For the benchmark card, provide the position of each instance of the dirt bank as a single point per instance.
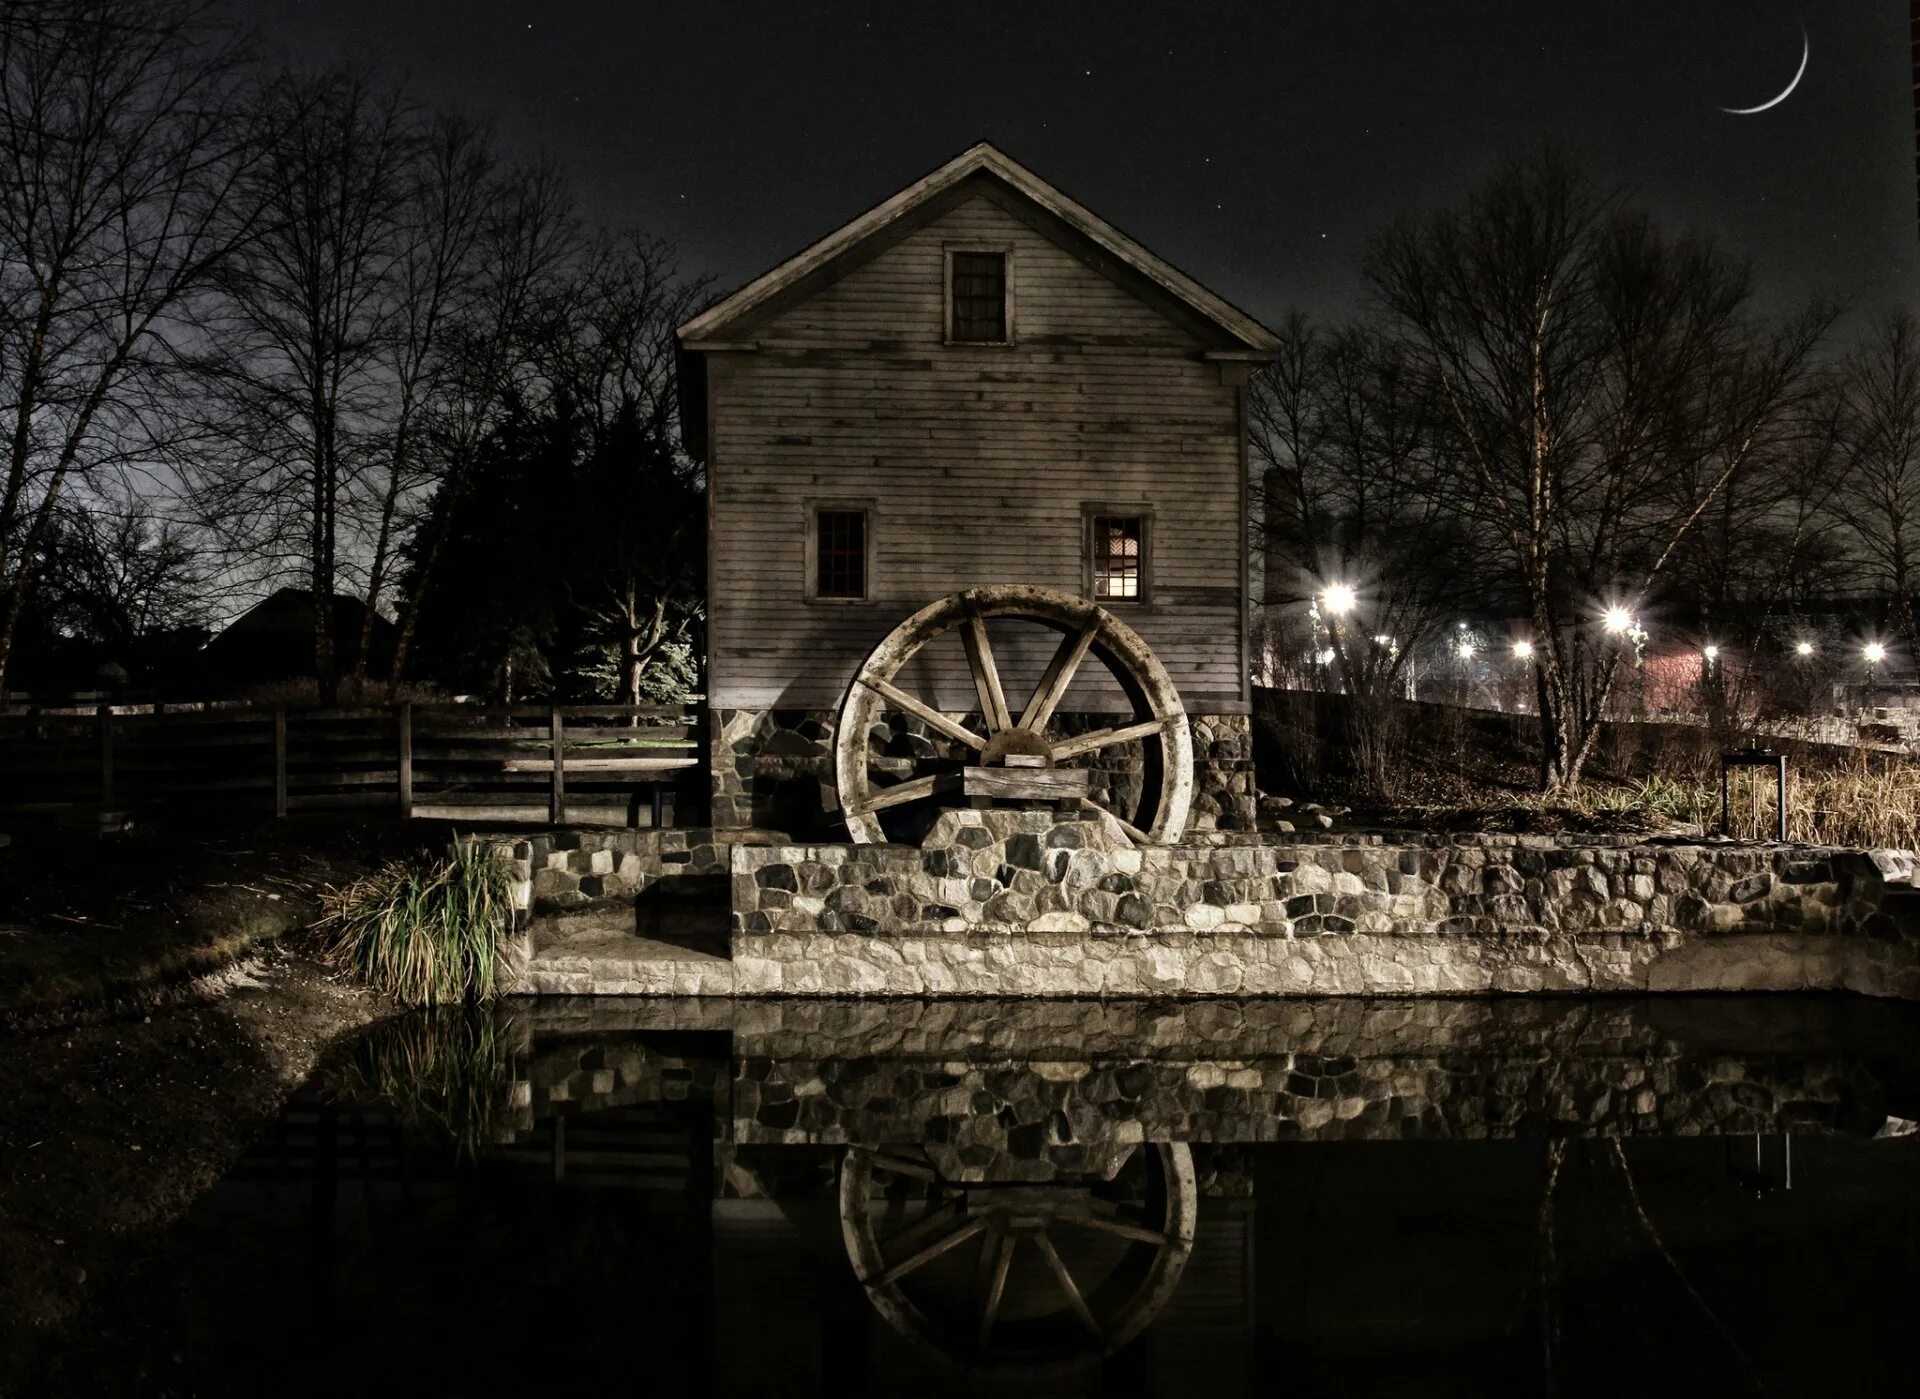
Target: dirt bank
(111, 1126)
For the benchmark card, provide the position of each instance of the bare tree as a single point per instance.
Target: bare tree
(126, 155)
(526, 243)
(1878, 426)
(300, 355)
(1368, 545)
(116, 572)
(438, 238)
(1603, 384)
(609, 356)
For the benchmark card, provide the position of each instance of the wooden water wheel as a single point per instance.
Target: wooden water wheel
(1017, 753)
(1019, 1276)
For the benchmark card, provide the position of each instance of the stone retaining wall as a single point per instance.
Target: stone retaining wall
(559, 870)
(773, 768)
(1035, 903)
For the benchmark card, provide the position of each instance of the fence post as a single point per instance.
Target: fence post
(405, 718)
(1780, 794)
(279, 762)
(557, 802)
(105, 719)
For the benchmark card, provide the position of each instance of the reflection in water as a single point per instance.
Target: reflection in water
(1064, 1197)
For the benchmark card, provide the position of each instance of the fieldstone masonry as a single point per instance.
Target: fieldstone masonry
(559, 870)
(774, 768)
(1004, 902)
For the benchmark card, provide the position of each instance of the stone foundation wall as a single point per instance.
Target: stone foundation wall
(1034, 903)
(773, 768)
(559, 870)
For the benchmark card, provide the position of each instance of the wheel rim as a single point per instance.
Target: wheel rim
(1019, 1277)
(1029, 732)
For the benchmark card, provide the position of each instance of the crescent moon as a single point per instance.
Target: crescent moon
(1806, 51)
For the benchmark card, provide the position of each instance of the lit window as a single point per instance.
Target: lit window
(977, 298)
(1119, 553)
(840, 554)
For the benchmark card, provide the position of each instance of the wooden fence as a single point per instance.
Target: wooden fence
(521, 762)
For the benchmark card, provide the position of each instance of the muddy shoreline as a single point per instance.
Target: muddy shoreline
(112, 1125)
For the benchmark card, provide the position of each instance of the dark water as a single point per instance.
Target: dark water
(1708, 1197)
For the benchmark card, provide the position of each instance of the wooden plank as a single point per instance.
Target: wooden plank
(602, 764)
(1026, 784)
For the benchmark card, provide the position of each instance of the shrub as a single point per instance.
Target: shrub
(427, 932)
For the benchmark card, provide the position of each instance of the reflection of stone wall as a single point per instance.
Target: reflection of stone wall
(773, 769)
(1027, 1120)
(1023, 903)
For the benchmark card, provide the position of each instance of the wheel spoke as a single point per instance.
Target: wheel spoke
(990, 1309)
(936, 1217)
(1139, 836)
(1059, 674)
(986, 675)
(1065, 1279)
(1106, 738)
(924, 712)
(930, 1252)
(1137, 1232)
(898, 794)
(900, 1166)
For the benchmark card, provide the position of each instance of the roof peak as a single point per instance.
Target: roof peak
(981, 155)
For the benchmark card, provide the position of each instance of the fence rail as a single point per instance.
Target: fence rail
(513, 762)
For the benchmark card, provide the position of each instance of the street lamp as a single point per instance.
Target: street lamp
(1523, 650)
(1804, 649)
(1339, 599)
(1466, 649)
(1711, 652)
(1618, 620)
(1874, 652)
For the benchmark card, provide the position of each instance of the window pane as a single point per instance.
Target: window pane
(840, 553)
(979, 294)
(1117, 541)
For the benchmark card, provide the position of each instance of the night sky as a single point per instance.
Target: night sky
(1256, 145)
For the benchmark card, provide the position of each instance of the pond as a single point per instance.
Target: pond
(1312, 1197)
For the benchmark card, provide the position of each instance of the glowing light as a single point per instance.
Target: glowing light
(1805, 648)
(1326, 656)
(1874, 652)
(1339, 599)
(1712, 653)
(1466, 649)
(1523, 650)
(1383, 641)
(1618, 620)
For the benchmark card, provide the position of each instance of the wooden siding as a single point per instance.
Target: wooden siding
(978, 461)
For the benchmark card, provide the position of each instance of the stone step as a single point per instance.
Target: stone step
(597, 952)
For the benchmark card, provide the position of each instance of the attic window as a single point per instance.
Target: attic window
(977, 297)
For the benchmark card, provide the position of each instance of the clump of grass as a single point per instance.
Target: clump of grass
(427, 932)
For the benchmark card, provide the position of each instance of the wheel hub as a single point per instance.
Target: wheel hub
(1017, 747)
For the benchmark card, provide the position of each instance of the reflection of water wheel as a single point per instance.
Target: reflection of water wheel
(1018, 1275)
(1020, 754)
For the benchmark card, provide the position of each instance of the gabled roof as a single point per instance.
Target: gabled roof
(982, 159)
